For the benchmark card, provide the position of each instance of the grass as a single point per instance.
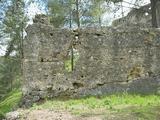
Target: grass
(141, 106)
(135, 106)
(10, 102)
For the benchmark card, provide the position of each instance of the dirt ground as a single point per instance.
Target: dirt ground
(63, 115)
(57, 115)
(123, 113)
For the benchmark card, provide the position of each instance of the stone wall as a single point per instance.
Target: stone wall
(139, 16)
(108, 61)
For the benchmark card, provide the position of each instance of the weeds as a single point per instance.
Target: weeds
(112, 103)
(10, 102)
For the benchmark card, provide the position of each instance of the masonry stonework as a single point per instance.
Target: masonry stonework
(109, 61)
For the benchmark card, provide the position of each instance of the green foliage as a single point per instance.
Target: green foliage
(97, 9)
(58, 10)
(10, 102)
(68, 62)
(68, 66)
(71, 12)
(9, 74)
(14, 27)
(13, 24)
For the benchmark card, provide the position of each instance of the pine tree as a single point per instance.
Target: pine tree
(80, 13)
(13, 24)
(57, 12)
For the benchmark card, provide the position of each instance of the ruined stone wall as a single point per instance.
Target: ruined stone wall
(109, 61)
(140, 17)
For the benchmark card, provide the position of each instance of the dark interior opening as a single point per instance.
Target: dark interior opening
(82, 76)
(51, 34)
(77, 85)
(98, 34)
(42, 60)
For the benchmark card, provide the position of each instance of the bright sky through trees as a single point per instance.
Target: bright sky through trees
(107, 17)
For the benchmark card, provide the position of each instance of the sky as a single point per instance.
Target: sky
(34, 9)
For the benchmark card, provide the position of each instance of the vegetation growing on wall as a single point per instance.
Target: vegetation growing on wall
(135, 72)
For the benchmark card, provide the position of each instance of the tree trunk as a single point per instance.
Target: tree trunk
(153, 12)
(72, 53)
(158, 13)
(99, 16)
(122, 10)
(70, 16)
(77, 13)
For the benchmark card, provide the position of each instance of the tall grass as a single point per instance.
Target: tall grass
(10, 102)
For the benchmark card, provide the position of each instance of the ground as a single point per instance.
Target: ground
(95, 114)
(112, 107)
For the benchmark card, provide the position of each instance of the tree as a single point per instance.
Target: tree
(13, 23)
(97, 9)
(155, 12)
(79, 13)
(57, 12)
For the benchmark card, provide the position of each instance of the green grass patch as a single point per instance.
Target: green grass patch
(114, 103)
(9, 102)
(68, 66)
